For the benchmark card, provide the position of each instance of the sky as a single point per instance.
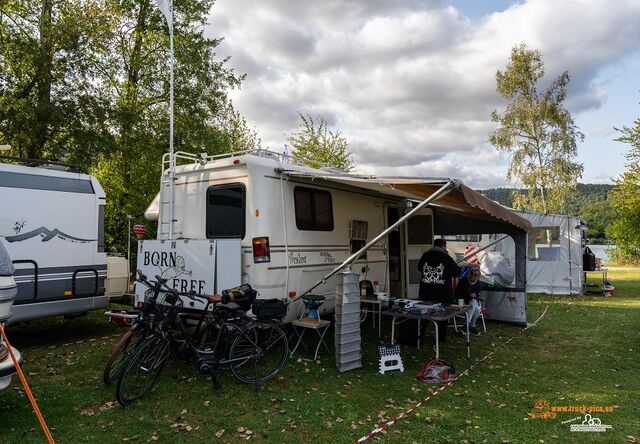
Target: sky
(411, 83)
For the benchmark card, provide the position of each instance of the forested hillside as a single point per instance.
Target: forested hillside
(590, 203)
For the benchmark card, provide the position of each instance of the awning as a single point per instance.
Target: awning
(460, 199)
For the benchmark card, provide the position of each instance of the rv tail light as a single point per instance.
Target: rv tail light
(261, 251)
(292, 294)
(236, 161)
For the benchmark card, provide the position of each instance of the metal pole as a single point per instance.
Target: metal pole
(443, 191)
(172, 160)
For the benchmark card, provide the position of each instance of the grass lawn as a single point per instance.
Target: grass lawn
(584, 351)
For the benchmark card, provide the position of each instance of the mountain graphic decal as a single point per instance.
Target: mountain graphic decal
(46, 234)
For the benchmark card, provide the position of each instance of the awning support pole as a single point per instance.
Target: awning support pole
(443, 191)
(474, 252)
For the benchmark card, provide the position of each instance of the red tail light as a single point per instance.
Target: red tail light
(261, 250)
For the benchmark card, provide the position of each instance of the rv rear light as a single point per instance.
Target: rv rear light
(68, 293)
(292, 294)
(236, 161)
(261, 250)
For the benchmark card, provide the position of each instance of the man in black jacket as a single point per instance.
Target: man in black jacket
(438, 268)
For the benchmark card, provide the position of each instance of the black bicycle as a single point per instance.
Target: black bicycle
(254, 350)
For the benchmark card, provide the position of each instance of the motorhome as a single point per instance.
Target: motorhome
(52, 225)
(296, 224)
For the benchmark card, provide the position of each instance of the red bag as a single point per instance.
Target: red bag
(436, 371)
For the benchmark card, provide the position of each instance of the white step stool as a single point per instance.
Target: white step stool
(390, 358)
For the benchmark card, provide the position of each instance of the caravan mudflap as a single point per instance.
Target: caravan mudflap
(506, 306)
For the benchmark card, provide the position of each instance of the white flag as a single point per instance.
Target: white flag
(166, 7)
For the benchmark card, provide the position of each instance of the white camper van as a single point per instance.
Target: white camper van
(296, 224)
(52, 225)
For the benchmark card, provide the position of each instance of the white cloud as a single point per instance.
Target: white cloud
(410, 83)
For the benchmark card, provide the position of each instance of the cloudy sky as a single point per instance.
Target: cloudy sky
(411, 83)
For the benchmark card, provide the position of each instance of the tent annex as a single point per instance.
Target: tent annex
(555, 248)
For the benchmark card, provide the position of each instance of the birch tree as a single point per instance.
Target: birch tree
(537, 132)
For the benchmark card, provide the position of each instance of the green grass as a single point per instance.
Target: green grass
(584, 351)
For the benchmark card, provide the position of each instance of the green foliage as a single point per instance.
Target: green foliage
(316, 146)
(625, 196)
(88, 82)
(599, 216)
(537, 132)
(590, 202)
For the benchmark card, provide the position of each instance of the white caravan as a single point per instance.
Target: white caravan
(297, 224)
(52, 225)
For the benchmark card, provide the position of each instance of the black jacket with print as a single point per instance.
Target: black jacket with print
(437, 268)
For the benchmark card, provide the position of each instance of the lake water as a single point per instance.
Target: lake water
(601, 251)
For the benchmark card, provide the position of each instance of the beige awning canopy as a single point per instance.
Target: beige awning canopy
(461, 199)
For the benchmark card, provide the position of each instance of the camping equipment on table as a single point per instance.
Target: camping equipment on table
(347, 327)
(313, 302)
(436, 371)
(390, 358)
(366, 289)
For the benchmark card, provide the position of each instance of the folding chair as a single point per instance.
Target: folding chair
(481, 316)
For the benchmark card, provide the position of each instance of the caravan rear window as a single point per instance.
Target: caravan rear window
(314, 209)
(226, 211)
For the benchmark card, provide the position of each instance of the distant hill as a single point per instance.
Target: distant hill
(590, 203)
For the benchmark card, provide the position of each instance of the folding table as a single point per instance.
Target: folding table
(445, 315)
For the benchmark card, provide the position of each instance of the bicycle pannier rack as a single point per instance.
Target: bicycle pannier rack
(266, 309)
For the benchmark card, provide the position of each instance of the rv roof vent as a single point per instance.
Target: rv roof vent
(358, 229)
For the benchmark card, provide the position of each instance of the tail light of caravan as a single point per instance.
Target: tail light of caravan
(261, 250)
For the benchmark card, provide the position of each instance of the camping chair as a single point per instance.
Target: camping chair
(464, 318)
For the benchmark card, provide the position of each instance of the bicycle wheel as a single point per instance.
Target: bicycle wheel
(123, 349)
(258, 352)
(143, 369)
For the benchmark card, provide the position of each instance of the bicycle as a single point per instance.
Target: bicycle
(254, 350)
(143, 323)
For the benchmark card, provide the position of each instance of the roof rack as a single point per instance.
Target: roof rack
(71, 167)
(204, 158)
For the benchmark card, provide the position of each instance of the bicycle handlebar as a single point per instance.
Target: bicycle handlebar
(162, 283)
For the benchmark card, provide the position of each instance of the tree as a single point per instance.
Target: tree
(87, 81)
(537, 132)
(45, 80)
(133, 66)
(625, 197)
(316, 146)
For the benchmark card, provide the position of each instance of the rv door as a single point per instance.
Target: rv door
(418, 238)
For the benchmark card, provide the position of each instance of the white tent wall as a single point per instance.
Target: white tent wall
(555, 268)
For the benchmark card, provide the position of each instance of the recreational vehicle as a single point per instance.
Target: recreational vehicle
(52, 225)
(297, 225)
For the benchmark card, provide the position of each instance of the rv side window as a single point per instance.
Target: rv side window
(226, 211)
(314, 209)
